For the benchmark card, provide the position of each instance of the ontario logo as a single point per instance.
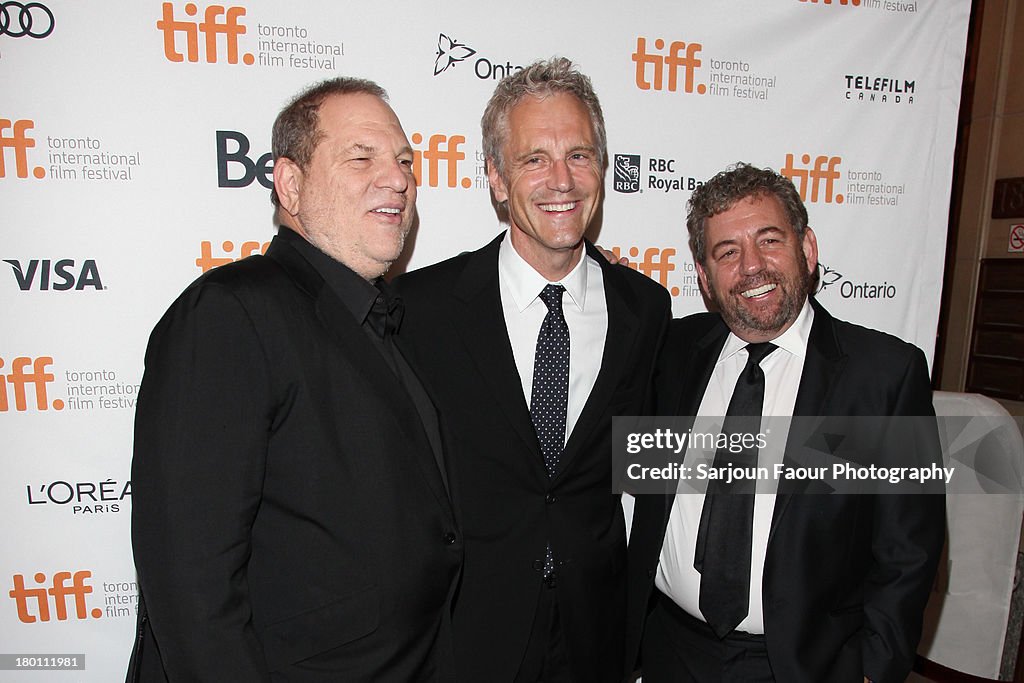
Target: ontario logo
(451, 53)
(849, 289)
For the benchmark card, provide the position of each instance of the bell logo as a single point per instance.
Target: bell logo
(261, 169)
(207, 261)
(439, 148)
(18, 378)
(55, 275)
(19, 141)
(824, 172)
(217, 20)
(681, 56)
(33, 604)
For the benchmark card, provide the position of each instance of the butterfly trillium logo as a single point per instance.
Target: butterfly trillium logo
(827, 276)
(449, 53)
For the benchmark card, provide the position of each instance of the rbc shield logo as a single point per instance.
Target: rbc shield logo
(626, 173)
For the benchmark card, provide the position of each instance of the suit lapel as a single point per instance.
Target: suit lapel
(480, 320)
(822, 368)
(365, 359)
(620, 338)
(689, 387)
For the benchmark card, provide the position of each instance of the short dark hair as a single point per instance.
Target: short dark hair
(540, 79)
(296, 130)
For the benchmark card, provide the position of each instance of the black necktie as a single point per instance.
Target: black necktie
(722, 553)
(549, 397)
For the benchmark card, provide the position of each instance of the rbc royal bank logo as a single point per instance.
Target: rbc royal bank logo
(626, 173)
(32, 20)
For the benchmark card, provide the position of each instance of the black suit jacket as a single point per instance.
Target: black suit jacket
(509, 507)
(846, 577)
(289, 522)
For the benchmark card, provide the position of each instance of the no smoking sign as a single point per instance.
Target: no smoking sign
(1016, 238)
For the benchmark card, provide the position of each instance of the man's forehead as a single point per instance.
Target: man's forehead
(759, 210)
(360, 120)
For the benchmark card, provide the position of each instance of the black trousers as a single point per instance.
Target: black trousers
(546, 659)
(678, 648)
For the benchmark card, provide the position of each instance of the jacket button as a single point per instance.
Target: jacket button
(550, 498)
(449, 538)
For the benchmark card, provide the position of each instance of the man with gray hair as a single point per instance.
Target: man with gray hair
(529, 346)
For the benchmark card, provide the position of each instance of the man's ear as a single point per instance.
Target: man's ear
(497, 184)
(810, 247)
(288, 179)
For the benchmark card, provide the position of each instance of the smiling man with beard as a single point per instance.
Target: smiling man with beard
(733, 586)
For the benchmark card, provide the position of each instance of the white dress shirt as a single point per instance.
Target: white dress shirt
(676, 576)
(586, 315)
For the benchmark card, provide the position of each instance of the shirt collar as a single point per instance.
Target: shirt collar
(525, 284)
(354, 291)
(793, 340)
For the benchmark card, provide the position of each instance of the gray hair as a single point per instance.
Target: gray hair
(540, 79)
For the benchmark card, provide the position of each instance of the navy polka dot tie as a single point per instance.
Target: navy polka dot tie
(550, 394)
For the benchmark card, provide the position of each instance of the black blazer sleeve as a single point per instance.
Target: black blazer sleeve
(199, 460)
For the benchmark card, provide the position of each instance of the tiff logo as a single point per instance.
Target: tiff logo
(855, 3)
(59, 590)
(656, 264)
(681, 57)
(824, 172)
(19, 378)
(210, 27)
(440, 148)
(207, 261)
(20, 142)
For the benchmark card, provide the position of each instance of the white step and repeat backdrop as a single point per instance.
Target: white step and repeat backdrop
(134, 140)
